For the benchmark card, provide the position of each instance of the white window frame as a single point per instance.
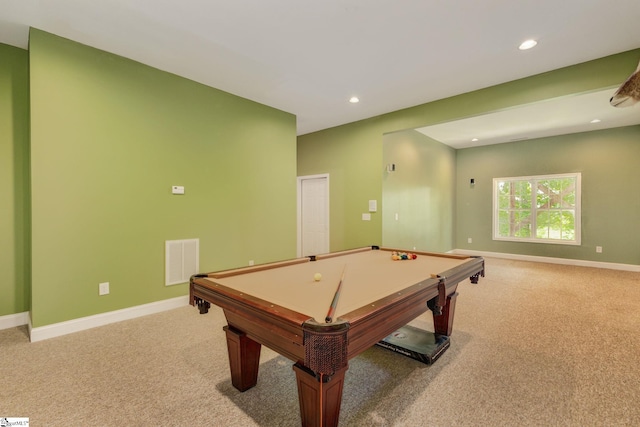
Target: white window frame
(534, 239)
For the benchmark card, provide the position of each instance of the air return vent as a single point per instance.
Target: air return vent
(181, 260)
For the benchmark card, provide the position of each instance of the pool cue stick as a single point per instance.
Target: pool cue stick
(334, 303)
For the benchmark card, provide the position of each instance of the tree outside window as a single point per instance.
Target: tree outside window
(537, 209)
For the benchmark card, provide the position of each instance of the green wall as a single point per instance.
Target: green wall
(355, 171)
(109, 137)
(609, 162)
(421, 192)
(14, 180)
(352, 153)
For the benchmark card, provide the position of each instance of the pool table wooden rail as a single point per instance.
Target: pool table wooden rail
(277, 327)
(282, 329)
(321, 351)
(396, 310)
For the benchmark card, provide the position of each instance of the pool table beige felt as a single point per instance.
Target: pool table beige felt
(280, 305)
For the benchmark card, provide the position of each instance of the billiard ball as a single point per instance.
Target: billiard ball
(317, 277)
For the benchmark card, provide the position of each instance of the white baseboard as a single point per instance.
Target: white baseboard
(83, 323)
(551, 260)
(13, 320)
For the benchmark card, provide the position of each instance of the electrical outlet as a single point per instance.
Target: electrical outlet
(599, 249)
(469, 240)
(250, 262)
(103, 288)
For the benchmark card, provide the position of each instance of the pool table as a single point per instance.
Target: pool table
(367, 294)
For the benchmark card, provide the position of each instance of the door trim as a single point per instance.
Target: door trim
(299, 208)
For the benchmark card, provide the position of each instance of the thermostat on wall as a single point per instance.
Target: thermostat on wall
(177, 189)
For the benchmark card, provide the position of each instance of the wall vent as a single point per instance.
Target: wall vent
(182, 259)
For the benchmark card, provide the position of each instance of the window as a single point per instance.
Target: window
(544, 209)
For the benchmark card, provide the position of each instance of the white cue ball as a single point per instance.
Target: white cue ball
(317, 277)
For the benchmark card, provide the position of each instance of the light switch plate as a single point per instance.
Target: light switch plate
(103, 288)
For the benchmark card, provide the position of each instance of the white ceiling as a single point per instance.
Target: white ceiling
(308, 57)
(558, 116)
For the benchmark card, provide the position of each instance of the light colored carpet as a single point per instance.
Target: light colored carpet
(533, 345)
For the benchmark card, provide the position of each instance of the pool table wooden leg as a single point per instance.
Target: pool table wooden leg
(244, 358)
(320, 397)
(443, 324)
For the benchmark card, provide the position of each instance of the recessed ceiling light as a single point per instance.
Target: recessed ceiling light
(354, 100)
(527, 44)
(595, 121)
(474, 140)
